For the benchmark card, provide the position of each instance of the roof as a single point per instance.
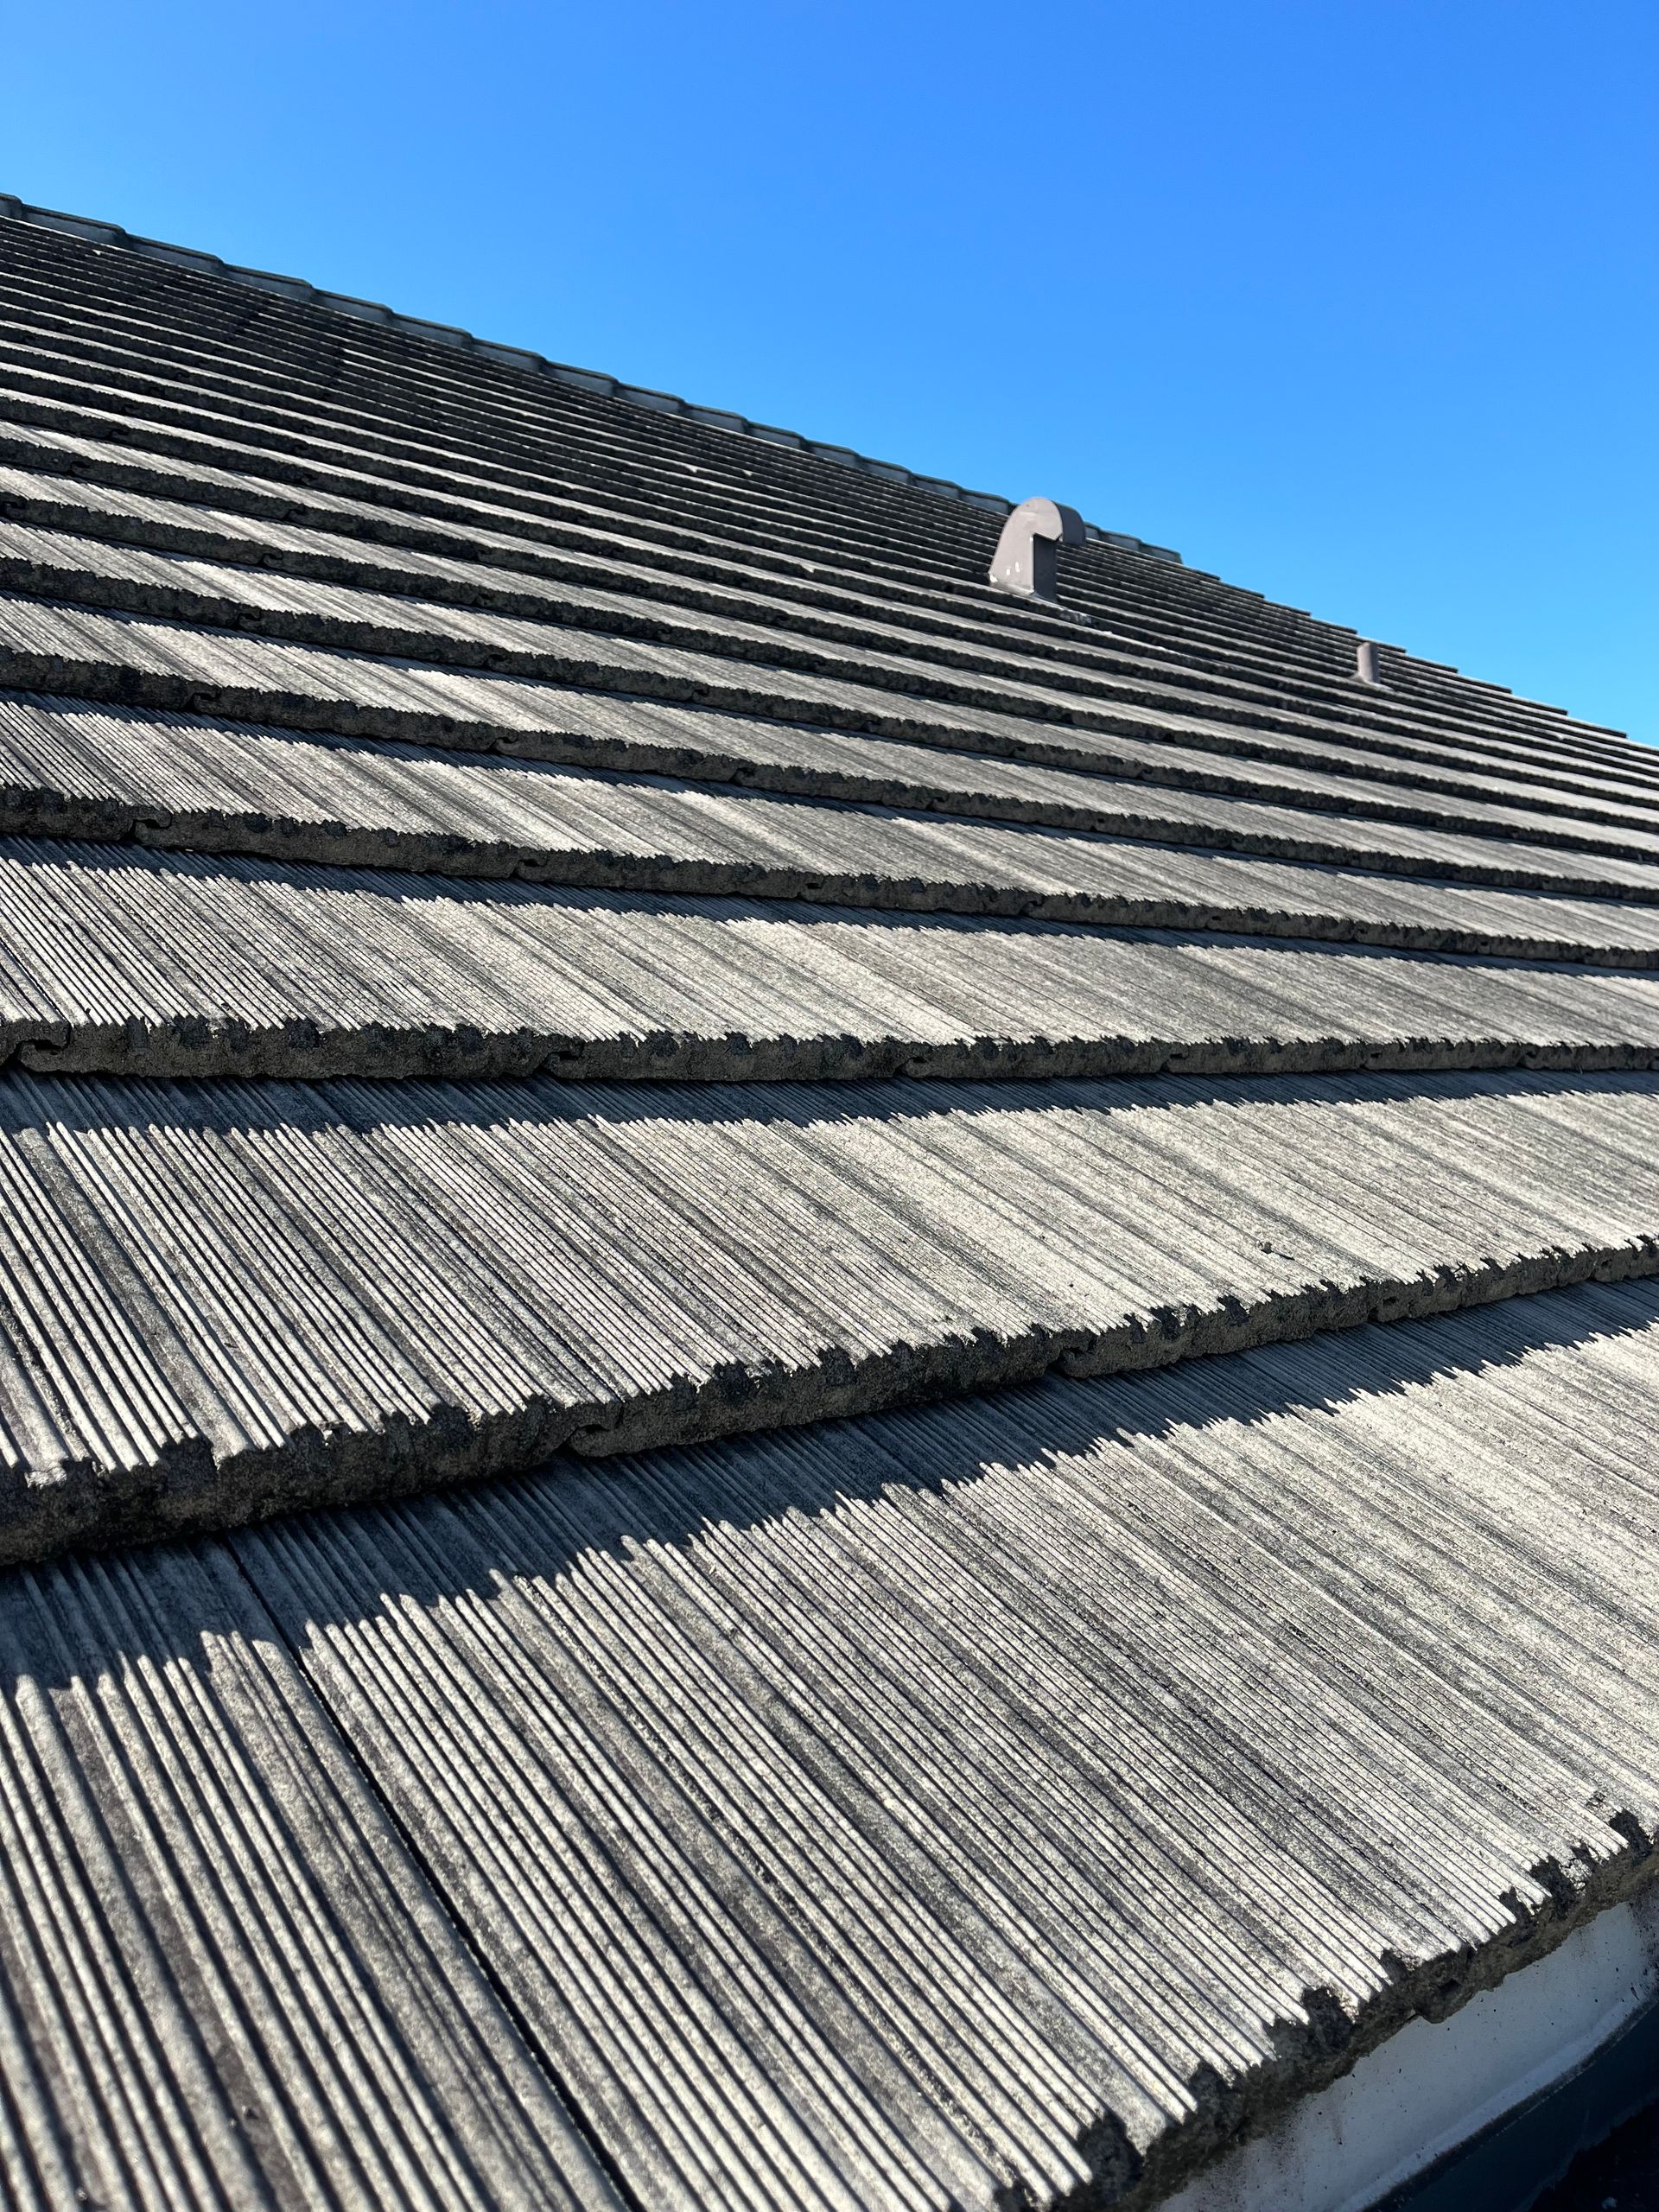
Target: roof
(816, 1390)
(519, 357)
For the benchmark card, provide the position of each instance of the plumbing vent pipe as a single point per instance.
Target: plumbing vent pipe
(1365, 661)
(1025, 559)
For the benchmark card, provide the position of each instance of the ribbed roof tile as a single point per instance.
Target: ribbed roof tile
(1001, 1258)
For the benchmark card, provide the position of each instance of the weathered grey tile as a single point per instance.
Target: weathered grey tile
(223, 1981)
(467, 428)
(69, 768)
(220, 1299)
(966, 1804)
(593, 589)
(464, 429)
(600, 640)
(318, 656)
(1474, 721)
(1026, 1795)
(114, 961)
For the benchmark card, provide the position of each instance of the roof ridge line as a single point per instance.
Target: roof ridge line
(99, 233)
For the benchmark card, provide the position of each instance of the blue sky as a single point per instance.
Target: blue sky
(1353, 302)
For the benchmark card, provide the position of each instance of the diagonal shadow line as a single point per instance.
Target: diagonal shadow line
(668, 1496)
(85, 1104)
(48, 856)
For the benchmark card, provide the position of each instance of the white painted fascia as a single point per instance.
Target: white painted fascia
(1436, 2085)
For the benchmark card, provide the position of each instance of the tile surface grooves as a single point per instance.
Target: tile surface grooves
(798, 597)
(702, 1500)
(136, 964)
(133, 777)
(809, 1794)
(128, 659)
(521, 357)
(232, 1985)
(639, 659)
(723, 1759)
(137, 392)
(224, 1300)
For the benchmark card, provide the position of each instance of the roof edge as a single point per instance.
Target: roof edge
(441, 333)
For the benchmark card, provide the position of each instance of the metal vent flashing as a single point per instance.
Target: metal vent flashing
(521, 357)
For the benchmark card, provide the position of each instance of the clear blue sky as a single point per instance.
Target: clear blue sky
(1353, 302)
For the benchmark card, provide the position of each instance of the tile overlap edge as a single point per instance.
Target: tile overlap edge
(97, 233)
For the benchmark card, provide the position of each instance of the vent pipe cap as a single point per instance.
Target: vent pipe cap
(1025, 559)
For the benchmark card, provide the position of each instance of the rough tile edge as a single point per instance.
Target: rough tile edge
(188, 1490)
(1312, 2053)
(1572, 2037)
(216, 1046)
(97, 233)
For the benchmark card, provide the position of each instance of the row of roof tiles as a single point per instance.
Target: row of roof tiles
(519, 357)
(966, 1804)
